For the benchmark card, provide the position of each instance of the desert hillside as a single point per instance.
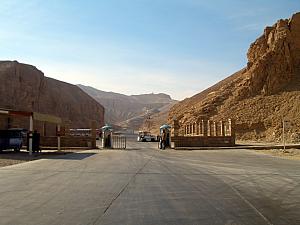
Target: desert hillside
(24, 87)
(128, 111)
(259, 96)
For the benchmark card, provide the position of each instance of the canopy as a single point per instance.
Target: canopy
(106, 127)
(165, 126)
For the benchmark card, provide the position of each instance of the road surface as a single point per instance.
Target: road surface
(143, 185)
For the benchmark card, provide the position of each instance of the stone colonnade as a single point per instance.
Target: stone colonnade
(210, 128)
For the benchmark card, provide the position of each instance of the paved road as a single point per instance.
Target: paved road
(145, 186)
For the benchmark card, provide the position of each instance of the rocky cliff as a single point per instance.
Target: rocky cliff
(128, 111)
(24, 87)
(259, 96)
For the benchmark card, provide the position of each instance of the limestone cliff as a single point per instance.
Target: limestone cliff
(262, 93)
(129, 110)
(24, 87)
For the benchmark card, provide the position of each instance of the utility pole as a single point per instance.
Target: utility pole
(283, 131)
(285, 125)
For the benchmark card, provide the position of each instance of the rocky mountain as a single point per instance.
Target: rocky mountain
(259, 96)
(155, 120)
(128, 111)
(24, 87)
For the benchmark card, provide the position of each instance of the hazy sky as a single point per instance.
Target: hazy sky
(179, 47)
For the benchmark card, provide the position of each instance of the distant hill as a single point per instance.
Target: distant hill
(24, 87)
(128, 111)
(259, 96)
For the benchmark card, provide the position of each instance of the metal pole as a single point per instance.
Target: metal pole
(103, 139)
(58, 137)
(30, 134)
(283, 136)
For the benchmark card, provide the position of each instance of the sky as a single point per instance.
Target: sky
(178, 47)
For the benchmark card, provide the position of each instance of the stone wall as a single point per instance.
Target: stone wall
(201, 141)
(204, 133)
(69, 141)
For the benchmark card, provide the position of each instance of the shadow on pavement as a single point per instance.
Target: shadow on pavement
(24, 156)
(74, 156)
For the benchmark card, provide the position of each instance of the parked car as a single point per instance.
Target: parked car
(146, 136)
(11, 139)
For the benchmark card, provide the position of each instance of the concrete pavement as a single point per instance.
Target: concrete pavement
(145, 186)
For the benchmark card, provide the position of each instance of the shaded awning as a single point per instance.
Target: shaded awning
(36, 116)
(106, 127)
(165, 126)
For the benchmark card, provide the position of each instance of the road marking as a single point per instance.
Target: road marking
(122, 190)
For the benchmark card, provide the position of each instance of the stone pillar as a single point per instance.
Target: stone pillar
(225, 129)
(221, 128)
(215, 128)
(229, 127)
(175, 128)
(208, 128)
(232, 127)
(202, 127)
(30, 134)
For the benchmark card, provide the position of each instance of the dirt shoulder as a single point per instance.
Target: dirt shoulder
(8, 158)
(293, 154)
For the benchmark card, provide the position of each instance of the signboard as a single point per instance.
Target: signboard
(46, 118)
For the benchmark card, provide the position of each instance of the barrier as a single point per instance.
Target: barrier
(119, 142)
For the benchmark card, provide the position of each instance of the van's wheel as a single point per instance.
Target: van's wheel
(17, 149)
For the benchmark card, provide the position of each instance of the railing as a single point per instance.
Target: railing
(119, 142)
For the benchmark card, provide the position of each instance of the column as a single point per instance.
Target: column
(58, 137)
(229, 127)
(221, 128)
(215, 128)
(208, 128)
(30, 134)
(175, 128)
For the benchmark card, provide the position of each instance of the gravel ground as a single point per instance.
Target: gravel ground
(287, 154)
(8, 158)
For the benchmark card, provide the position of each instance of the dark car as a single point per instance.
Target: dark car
(11, 139)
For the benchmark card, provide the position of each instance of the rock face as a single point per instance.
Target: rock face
(128, 111)
(260, 95)
(24, 87)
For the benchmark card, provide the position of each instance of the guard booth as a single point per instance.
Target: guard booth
(107, 132)
(167, 129)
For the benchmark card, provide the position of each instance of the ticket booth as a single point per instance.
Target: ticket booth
(167, 129)
(107, 132)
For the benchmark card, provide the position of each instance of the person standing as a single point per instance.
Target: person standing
(163, 139)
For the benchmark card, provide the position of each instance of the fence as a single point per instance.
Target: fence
(119, 142)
